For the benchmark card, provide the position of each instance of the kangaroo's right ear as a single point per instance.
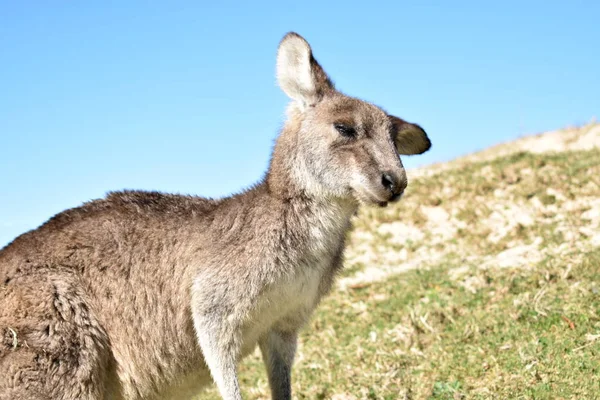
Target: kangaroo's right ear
(300, 76)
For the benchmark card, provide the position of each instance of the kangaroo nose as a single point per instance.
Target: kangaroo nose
(392, 183)
(389, 182)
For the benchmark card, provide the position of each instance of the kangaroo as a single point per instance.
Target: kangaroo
(145, 295)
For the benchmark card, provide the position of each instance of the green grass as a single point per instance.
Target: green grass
(425, 334)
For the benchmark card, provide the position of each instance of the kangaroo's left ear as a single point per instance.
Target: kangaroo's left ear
(410, 138)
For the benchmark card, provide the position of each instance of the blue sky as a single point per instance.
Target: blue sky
(181, 96)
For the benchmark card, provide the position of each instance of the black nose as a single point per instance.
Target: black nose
(389, 182)
(392, 183)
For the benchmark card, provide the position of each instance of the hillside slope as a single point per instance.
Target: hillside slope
(483, 283)
(585, 137)
(498, 206)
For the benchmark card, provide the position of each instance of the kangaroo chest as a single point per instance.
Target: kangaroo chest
(285, 306)
(288, 302)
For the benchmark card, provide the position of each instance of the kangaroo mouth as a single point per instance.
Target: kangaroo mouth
(395, 197)
(369, 198)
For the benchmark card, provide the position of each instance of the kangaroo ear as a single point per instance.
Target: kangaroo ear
(410, 138)
(299, 75)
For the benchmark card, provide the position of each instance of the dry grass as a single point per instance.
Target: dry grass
(512, 210)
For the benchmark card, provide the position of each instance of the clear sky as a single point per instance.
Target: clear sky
(181, 96)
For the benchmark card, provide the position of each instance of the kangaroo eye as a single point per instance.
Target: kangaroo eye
(345, 130)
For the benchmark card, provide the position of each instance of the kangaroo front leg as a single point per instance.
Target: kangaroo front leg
(278, 350)
(220, 347)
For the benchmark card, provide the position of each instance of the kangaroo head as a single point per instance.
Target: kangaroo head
(334, 145)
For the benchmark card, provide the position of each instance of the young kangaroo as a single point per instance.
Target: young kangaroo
(144, 295)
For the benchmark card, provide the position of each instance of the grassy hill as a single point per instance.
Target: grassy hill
(483, 282)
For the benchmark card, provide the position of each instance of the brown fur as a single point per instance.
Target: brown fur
(142, 295)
